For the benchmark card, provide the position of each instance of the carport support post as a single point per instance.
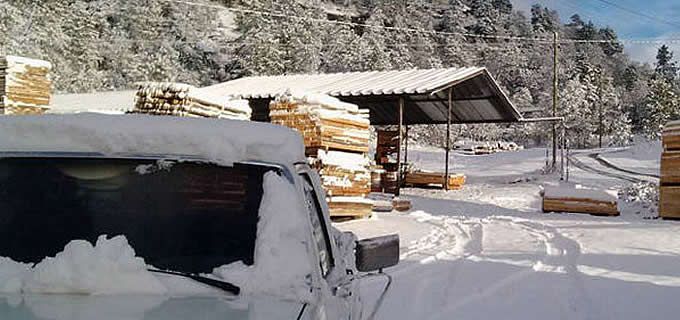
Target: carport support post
(448, 142)
(401, 140)
(406, 144)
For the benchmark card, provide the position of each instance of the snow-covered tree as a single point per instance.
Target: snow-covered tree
(662, 105)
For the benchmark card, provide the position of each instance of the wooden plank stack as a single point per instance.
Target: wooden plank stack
(324, 122)
(424, 179)
(580, 200)
(182, 100)
(25, 86)
(386, 154)
(669, 190)
(336, 137)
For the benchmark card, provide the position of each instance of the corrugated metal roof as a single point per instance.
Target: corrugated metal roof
(477, 96)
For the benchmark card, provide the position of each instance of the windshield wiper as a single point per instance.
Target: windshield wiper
(223, 285)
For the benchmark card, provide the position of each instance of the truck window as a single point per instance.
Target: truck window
(319, 229)
(189, 217)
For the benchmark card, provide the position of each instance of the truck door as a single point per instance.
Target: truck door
(336, 306)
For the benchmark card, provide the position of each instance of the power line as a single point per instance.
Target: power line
(413, 30)
(640, 14)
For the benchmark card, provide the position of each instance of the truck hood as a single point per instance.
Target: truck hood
(144, 307)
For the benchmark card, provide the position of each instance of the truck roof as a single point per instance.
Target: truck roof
(219, 141)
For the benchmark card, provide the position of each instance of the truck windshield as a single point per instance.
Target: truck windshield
(188, 217)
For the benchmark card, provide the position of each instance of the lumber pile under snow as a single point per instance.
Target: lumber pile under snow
(182, 100)
(455, 181)
(580, 200)
(25, 86)
(669, 190)
(324, 122)
(336, 136)
(343, 173)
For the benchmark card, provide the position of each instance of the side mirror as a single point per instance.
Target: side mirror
(377, 253)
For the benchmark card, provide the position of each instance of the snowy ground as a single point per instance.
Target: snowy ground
(487, 252)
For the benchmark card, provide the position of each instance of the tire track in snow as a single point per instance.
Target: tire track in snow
(561, 255)
(449, 237)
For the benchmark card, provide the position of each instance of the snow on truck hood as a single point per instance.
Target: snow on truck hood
(216, 140)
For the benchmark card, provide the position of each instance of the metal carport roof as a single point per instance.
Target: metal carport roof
(477, 98)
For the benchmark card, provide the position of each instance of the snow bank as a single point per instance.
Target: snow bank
(282, 263)
(108, 267)
(216, 140)
(579, 192)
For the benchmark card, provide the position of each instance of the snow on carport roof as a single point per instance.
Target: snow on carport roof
(477, 96)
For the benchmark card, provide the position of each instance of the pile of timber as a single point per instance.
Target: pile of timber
(577, 199)
(669, 190)
(25, 86)
(336, 137)
(343, 173)
(424, 179)
(183, 100)
(324, 122)
(386, 153)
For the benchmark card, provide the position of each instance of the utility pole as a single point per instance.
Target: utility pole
(600, 125)
(555, 101)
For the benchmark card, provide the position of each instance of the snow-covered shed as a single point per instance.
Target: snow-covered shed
(476, 96)
(397, 97)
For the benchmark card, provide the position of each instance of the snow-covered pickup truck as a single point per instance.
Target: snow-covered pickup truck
(138, 217)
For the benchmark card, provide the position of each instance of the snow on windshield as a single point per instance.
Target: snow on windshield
(282, 263)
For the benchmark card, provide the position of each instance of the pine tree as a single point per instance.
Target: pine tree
(665, 66)
(662, 105)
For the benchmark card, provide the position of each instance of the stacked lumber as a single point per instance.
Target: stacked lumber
(324, 122)
(343, 173)
(386, 154)
(336, 137)
(580, 200)
(182, 100)
(350, 207)
(421, 179)
(669, 190)
(24, 85)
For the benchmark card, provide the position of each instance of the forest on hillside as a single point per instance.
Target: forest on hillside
(98, 45)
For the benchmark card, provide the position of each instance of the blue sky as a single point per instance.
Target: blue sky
(626, 24)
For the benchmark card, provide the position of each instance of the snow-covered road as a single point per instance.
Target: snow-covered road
(486, 252)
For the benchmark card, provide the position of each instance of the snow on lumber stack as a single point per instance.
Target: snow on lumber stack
(343, 173)
(580, 200)
(669, 193)
(324, 122)
(427, 179)
(24, 85)
(182, 100)
(336, 137)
